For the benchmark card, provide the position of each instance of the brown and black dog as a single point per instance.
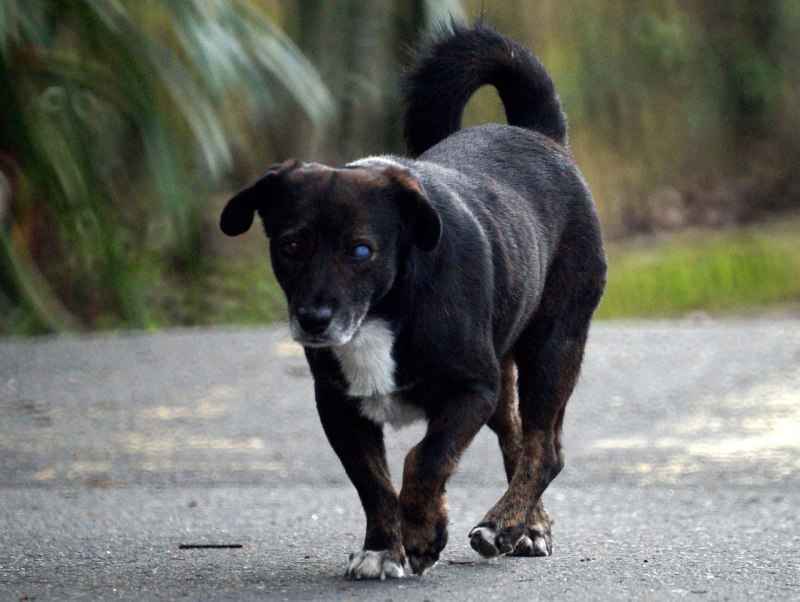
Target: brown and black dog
(456, 287)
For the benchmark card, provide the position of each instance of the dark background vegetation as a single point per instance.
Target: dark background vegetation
(124, 125)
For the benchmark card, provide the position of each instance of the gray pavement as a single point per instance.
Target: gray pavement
(683, 466)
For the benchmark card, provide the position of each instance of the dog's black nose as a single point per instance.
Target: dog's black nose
(314, 320)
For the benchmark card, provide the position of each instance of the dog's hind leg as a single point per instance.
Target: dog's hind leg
(548, 359)
(548, 355)
(507, 426)
(505, 421)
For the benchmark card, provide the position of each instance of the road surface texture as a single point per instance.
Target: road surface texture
(682, 475)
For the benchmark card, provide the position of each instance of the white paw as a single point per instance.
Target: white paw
(374, 564)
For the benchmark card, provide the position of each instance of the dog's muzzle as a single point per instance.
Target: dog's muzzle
(320, 327)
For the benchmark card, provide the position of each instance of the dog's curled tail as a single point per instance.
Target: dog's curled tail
(455, 64)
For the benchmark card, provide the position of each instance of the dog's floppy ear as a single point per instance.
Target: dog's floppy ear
(416, 209)
(237, 217)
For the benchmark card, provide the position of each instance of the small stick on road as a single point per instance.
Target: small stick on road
(209, 546)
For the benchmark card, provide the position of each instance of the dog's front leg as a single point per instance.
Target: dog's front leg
(428, 466)
(359, 444)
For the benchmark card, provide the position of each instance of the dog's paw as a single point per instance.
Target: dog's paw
(376, 564)
(420, 561)
(489, 542)
(534, 543)
(423, 544)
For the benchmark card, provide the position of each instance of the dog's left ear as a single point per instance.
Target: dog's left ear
(416, 209)
(237, 217)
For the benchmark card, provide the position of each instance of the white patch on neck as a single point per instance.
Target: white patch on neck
(366, 360)
(368, 367)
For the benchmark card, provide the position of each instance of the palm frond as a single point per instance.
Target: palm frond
(104, 97)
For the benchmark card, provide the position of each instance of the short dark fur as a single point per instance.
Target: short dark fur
(452, 67)
(488, 265)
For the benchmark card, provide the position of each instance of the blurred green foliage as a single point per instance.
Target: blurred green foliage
(673, 92)
(117, 119)
(716, 272)
(124, 125)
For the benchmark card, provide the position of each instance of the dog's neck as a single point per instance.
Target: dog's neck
(366, 360)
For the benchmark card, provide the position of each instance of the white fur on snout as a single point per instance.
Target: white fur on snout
(372, 564)
(333, 336)
(368, 366)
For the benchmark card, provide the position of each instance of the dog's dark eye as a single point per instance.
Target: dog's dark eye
(290, 247)
(360, 252)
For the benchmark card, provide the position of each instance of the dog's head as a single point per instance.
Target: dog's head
(336, 236)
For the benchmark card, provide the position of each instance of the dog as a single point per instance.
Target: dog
(456, 286)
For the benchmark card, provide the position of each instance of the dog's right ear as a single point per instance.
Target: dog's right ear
(237, 217)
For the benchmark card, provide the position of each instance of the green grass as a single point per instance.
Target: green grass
(727, 272)
(720, 272)
(224, 291)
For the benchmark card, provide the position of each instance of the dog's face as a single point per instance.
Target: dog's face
(336, 236)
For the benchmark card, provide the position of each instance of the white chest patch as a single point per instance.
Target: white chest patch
(368, 366)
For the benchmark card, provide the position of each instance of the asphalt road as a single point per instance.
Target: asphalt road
(682, 474)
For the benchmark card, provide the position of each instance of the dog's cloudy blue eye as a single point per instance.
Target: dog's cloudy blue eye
(360, 252)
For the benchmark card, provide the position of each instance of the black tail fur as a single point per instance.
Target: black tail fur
(461, 60)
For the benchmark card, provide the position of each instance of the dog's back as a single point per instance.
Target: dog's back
(519, 181)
